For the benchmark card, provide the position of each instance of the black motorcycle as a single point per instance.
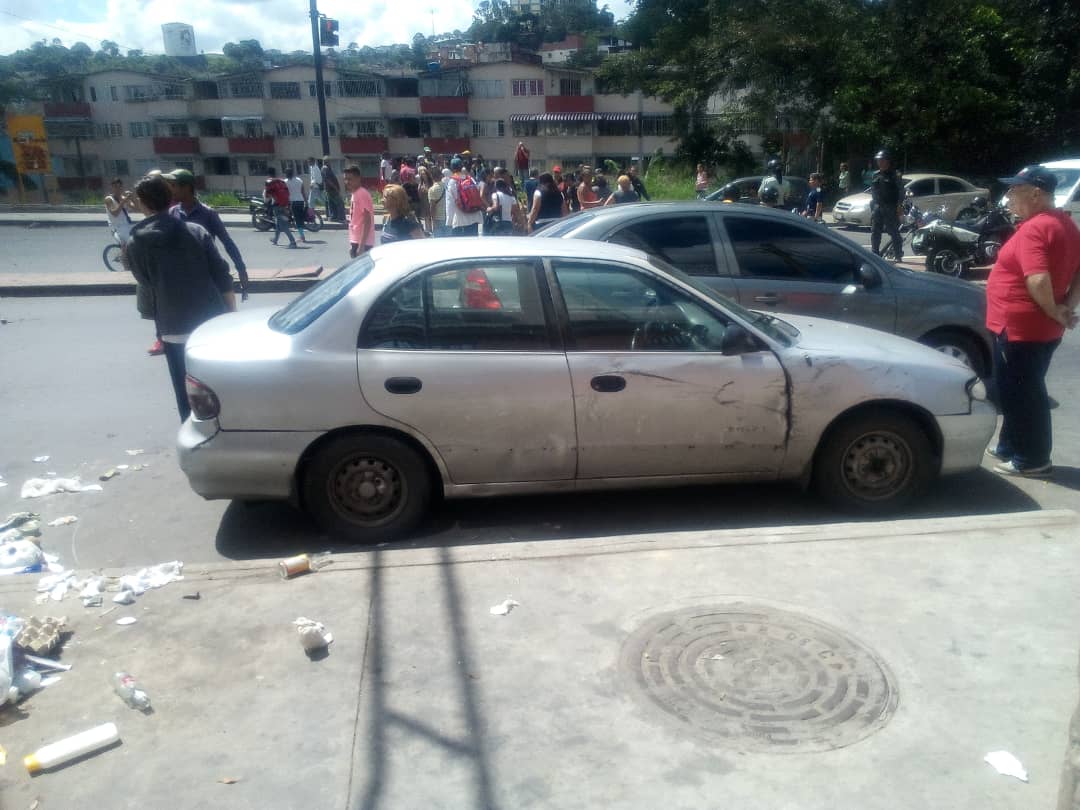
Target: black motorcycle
(954, 247)
(262, 218)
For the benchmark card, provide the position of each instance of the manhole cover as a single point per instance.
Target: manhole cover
(760, 679)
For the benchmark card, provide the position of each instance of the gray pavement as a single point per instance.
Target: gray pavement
(850, 665)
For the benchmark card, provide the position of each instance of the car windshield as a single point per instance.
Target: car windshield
(305, 310)
(1066, 178)
(775, 328)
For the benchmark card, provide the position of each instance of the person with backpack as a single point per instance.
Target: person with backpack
(464, 203)
(276, 194)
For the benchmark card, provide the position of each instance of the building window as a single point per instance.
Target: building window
(362, 128)
(616, 128)
(404, 127)
(111, 129)
(445, 87)
(258, 167)
(140, 129)
(488, 88)
(244, 87)
(220, 166)
(244, 128)
(441, 127)
(171, 129)
(114, 94)
(569, 87)
(488, 129)
(285, 90)
(663, 125)
(527, 87)
(211, 128)
(331, 129)
(116, 168)
(327, 89)
(93, 93)
(296, 165)
(289, 129)
(357, 88)
(525, 129)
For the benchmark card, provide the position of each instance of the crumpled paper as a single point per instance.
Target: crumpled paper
(313, 634)
(153, 576)
(38, 487)
(55, 586)
(62, 521)
(1006, 764)
(504, 607)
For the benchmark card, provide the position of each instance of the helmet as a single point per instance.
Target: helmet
(883, 154)
(979, 202)
(774, 165)
(770, 196)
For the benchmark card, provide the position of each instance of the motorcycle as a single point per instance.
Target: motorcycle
(953, 247)
(262, 218)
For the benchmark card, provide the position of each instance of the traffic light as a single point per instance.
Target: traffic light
(328, 32)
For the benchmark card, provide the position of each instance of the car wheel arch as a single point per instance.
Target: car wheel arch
(920, 415)
(942, 335)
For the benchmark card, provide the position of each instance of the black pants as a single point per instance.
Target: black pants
(885, 218)
(1020, 376)
(174, 356)
(299, 215)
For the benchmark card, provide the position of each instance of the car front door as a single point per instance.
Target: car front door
(796, 267)
(654, 395)
(466, 356)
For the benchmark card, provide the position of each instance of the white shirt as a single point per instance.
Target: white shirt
(121, 223)
(506, 205)
(455, 217)
(384, 169)
(315, 174)
(296, 189)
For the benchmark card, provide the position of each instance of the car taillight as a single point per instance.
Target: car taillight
(203, 401)
(479, 293)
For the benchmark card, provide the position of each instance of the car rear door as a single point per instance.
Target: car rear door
(796, 266)
(466, 354)
(654, 395)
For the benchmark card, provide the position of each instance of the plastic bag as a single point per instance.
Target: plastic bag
(20, 557)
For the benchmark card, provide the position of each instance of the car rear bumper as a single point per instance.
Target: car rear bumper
(861, 218)
(240, 464)
(965, 437)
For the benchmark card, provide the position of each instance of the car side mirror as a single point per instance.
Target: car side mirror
(869, 276)
(737, 341)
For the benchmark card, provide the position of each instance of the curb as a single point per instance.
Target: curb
(125, 288)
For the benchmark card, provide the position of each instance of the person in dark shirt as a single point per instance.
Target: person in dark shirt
(189, 208)
(815, 199)
(886, 194)
(531, 184)
(400, 224)
(638, 184)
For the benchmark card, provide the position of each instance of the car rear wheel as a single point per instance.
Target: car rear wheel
(367, 488)
(874, 463)
(964, 348)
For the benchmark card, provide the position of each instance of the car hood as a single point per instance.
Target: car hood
(244, 335)
(856, 200)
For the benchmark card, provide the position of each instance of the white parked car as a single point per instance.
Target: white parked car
(1067, 193)
(506, 366)
(928, 191)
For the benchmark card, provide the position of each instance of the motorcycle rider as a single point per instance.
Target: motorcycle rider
(886, 194)
(773, 180)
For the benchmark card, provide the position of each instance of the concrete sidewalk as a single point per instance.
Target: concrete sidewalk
(867, 665)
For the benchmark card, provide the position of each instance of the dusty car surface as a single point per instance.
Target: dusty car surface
(527, 365)
(952, 197)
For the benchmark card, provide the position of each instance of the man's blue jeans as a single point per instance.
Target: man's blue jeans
(281, 224)
(1020, 368)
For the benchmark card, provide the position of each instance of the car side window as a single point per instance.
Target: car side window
(475, 307)
(768, 249)
(685, 242)
(921, 188)
(947, 186)
(614, 308)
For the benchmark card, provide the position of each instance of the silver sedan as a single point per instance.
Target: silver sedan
(480, 367)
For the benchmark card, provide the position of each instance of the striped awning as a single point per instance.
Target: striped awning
(574, 116)
(623, 116)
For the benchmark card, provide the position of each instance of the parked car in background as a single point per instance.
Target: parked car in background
(928, 191)
(1067, 193)
(744, 190)
(515, 365)
(770, 260)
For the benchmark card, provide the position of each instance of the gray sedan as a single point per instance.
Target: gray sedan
(499, 366)
(775, 261)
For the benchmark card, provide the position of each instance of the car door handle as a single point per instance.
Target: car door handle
(607, 383)
(403, 385)
(768, 298)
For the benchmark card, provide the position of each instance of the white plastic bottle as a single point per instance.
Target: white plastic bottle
(65, 750)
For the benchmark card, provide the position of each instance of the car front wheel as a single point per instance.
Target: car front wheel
(367, 488)
(874, 463)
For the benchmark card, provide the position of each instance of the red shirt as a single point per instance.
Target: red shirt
(1048, 242)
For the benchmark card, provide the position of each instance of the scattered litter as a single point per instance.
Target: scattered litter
(128, 691)
(1006, 764)
(138, 467)
(3, 756)
(124, 621)
(41, 459)
(8, 691)
(37, 487)
(56, 585)
(504, 607)
(3, 483)
(154, 576)
(18, 519)
(125, 597)
(193, 596)
(65, 750)
(49, 680)
(110, 610)
(27, 680)
(313, 635)
(10, 626)
(110, 473)
(138, 452)
(47, 663)
(66, 520)
(229, 780)
(123, 466)
(40, 634)
(91, 591)
(302, 563)
(717, 657)
(20, 557)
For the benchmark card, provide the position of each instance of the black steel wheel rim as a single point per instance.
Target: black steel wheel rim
(877, 465)
(367, 490)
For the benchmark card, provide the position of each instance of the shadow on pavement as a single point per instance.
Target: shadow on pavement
(269, 530)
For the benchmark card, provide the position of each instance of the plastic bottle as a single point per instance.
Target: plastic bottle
(124, 685)
(65, 750)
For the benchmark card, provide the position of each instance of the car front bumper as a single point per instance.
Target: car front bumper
(238, 464)
(861, 218)
(965, 437)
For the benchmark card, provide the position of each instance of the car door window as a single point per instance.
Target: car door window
(921, 188)
(477, 306)
(685, 242)
(614, 308)
(765, 248)
(947, 186)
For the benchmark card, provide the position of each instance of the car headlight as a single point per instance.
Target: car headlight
(976, 389)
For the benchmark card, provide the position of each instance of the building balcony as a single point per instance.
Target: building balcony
(78, 183)
(176, 146)
(67, 109)
(252, 146)
(447, 146)
(567, 104)
(364, 146)
(444, 105)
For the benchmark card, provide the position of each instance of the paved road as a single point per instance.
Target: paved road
(46, 250)
(79, 387)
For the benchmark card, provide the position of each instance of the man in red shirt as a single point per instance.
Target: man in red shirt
(1031, 297)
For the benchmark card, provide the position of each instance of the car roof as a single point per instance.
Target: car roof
(407, 258)
(930, 175)
(1065, 163)
(676, 207)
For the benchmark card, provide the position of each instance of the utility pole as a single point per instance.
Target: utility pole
(320, 93)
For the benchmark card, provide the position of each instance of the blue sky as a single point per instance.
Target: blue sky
(281, 24)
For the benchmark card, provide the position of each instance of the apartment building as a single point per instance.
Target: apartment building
(229, 129)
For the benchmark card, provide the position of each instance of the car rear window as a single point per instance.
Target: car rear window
(305, 310)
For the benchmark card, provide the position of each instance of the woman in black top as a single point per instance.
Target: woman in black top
(400, 224)
(548, 203)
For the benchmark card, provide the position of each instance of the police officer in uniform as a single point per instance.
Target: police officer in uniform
(886, 193)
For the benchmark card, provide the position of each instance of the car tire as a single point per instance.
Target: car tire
(367, 488)
(963, 347)
(873, 463)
